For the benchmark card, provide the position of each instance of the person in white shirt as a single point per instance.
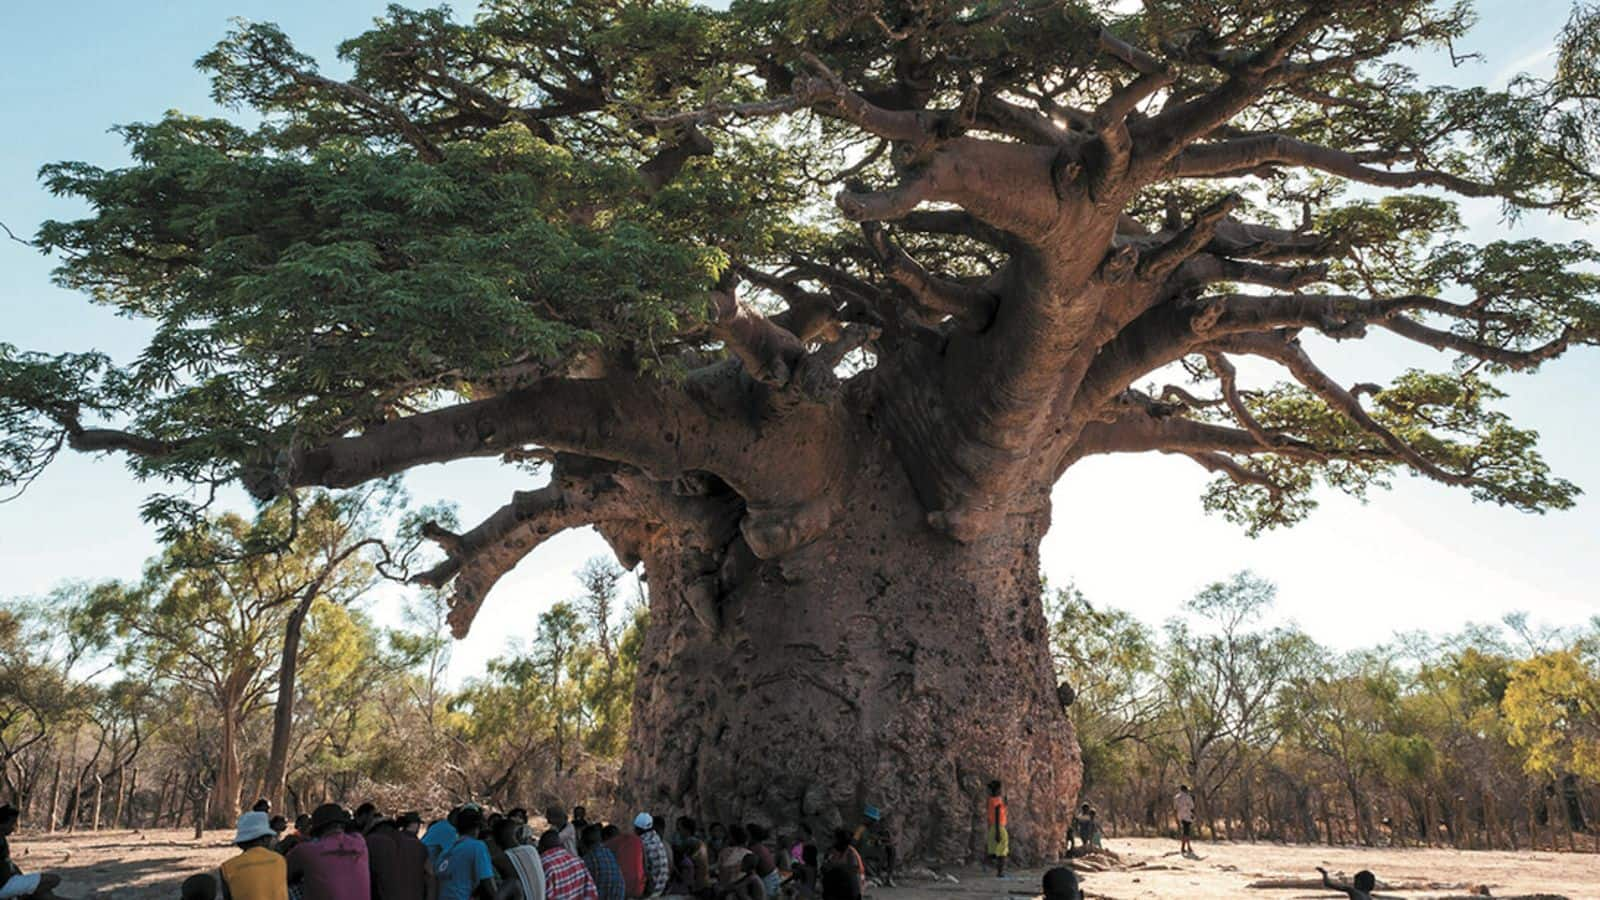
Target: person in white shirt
(1183, 804)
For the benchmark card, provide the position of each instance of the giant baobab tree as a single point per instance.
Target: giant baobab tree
(805, 305)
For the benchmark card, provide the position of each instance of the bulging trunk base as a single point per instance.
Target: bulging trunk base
(883, 665)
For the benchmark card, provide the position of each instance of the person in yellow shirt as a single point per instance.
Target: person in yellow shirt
(258, 872)
(998, 841)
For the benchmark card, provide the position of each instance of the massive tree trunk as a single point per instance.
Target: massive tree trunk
(882, 664)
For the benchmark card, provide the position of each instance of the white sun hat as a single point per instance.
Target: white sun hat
(253, 825)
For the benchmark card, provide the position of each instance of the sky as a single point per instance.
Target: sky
(1128, 530)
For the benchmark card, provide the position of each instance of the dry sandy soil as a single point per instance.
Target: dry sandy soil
(149, 865)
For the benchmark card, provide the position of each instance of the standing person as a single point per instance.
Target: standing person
(843, 855)
(464, 869)
(365, 815)
(333, 864)
(557, 817)
(602, 865)
(257, 873)
(998, 839)
(400, 866)
(440, 835)
(525, 860)
(629, 851)
(580, 821)
(1183, 805)
(565, 877)
(411, 823)
(657, 862)
(1085, 829)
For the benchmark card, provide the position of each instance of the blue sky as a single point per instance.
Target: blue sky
(1129, 530)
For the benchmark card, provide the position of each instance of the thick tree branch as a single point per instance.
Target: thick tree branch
(971, 307)
(1246, 156)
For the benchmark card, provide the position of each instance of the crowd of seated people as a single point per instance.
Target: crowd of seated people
(475, 854)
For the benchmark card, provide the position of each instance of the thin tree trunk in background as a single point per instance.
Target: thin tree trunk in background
(283, 708)
(121, 797)
(200, 804)
(55, 796)
(99, 795)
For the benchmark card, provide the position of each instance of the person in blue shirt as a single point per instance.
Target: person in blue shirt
(440, 836)
(465, 870)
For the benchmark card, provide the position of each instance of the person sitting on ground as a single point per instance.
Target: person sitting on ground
(749, 885)
(875, 844)
(797, 844)
(766, 865)
(629, 851)
(693, 874)
(843, 854)
(400, 866)
(200, 886)
(716, 838)
(279, 826)
(1359, 888)
(998, 844)
(565, 876)
(602, 864)
(730, 862)
(257, 873)
(840, 879)
(657, 861)
(13, 883)
(1062, 884)
(262, 805)
(518, 814)
(464, 869)
(333, 864)
(301, 834)
(802, 880)
(525, 860)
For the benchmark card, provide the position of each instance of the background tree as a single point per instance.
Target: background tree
(807, 307)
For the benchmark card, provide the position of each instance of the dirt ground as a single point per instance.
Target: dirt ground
(150, 864)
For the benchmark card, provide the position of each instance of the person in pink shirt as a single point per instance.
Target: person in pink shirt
(333, 864)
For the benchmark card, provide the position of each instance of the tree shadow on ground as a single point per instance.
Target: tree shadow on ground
(134, 879)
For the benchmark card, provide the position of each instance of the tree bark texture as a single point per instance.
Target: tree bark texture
(880, 665)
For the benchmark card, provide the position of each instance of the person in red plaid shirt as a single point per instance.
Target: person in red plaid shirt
(565, 875)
